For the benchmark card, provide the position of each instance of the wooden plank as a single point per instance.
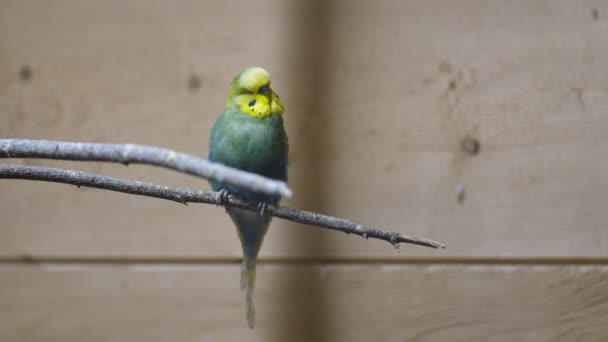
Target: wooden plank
(406, 82)
(304, 303)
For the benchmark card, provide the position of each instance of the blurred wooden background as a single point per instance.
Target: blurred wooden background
(379, 97)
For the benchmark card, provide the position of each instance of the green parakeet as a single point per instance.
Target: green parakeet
(249, 136)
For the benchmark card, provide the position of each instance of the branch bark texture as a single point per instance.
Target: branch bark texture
(183, 195)
(140, 154)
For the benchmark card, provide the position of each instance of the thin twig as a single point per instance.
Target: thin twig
(141, 154)
(184, 196)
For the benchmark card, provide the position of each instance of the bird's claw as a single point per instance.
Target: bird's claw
(221, 197)
(261, 208)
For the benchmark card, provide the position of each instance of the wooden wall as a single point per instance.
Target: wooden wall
(379, 97)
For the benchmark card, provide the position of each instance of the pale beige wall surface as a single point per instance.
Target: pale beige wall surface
(405, 84)
(363, 303)
(379, 96)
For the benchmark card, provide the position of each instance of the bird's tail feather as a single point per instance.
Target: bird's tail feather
(248, 284)
(251, 228)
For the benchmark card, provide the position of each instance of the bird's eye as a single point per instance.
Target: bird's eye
(263, 90)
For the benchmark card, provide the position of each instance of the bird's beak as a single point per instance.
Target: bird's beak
(275, 103)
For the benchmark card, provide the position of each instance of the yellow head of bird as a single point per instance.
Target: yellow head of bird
(250, 91)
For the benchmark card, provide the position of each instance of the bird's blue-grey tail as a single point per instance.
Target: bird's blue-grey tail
(252, 228)
(248, 284)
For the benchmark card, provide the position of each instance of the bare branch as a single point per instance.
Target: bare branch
(184, 196)
(140, 154)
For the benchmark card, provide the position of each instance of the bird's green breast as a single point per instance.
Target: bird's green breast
(250, 144)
